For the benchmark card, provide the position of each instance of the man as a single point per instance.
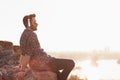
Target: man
(34, 55)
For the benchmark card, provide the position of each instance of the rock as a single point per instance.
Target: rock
(17, 49)
(6, 45)
(45, 75)
(0, 75)
(29, 76)
(9, 58)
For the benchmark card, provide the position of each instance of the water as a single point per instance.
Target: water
(100, 70)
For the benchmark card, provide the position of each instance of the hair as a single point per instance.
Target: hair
(25, 19)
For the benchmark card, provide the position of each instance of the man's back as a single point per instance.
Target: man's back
(29, 42)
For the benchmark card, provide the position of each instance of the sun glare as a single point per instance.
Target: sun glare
(86, 71)
(89, 71)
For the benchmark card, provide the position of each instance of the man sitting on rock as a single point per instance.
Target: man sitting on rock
(36, 57)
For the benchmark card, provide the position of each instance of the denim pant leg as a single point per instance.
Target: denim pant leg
(66, 65)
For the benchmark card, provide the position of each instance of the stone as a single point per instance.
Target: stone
(9, 59)
(6, 45)
(45, 75)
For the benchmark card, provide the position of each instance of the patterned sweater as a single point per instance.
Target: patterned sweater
(30, 45)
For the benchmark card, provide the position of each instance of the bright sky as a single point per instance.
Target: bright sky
(65, 25)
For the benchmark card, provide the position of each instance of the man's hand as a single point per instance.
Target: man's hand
(24, 60)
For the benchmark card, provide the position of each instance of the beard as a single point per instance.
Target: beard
(34, 28)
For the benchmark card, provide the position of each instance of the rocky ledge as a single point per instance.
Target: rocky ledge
(9, 60)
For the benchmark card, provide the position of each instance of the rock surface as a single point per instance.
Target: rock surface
(9, 59)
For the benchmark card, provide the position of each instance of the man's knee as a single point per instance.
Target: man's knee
(72, 63)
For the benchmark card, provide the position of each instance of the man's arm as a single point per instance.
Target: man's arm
(24, 60)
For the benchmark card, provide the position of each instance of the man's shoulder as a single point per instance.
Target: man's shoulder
(28, 34)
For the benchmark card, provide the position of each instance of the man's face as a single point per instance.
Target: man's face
(33, 24)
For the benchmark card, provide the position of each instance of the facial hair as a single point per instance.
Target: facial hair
(33, 28)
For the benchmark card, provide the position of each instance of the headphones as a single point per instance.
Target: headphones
(29, 24)
(29, 19)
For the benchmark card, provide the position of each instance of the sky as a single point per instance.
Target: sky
(65, 25)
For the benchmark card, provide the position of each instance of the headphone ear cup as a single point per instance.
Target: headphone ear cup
(29, 22)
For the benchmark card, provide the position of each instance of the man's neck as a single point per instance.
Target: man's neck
(28, 28)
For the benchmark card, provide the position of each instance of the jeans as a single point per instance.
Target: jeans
(66, 65)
